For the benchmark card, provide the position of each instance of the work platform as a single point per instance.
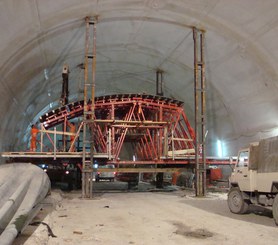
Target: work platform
(153, 129)
(77, 157)
(50, 155)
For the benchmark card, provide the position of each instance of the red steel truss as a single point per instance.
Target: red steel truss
(134, 128)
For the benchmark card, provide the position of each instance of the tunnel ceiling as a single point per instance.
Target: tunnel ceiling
(134, 39)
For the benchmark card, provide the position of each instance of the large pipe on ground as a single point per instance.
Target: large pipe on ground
(23, 187)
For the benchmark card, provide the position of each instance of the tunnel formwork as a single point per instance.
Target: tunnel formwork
(131, 128)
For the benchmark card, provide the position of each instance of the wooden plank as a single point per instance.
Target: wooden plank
(181, 152)
(182, 139)
(57, 132)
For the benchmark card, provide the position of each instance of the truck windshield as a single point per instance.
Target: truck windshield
(243, 159)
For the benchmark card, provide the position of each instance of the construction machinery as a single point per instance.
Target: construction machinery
(255, 178)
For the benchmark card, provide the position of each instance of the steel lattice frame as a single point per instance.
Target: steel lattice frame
(156, 127)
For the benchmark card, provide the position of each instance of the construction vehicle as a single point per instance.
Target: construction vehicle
(106, 175)
(255, 178)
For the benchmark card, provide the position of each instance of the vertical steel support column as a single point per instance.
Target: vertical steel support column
(159, 82)
(199, 88)
(109, 144)
(165, 141)
(92, 116)
(173, 145)
(113, 131)
(196, 107)
(89, 112)
(41, 137)
(55, 143)
(161, 134)
(159, 91)
(64, 136)
(203, 106)
(85, 112)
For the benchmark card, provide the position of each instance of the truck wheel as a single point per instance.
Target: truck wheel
(275, 209)
(236, 203)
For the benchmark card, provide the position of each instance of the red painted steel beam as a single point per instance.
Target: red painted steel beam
(125, 115)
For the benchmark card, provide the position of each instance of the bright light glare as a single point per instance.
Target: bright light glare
(219, 148)
(275, 131)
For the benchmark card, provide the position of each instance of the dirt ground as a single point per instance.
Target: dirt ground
(147, 217)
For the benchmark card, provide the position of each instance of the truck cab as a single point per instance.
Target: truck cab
(242, 176)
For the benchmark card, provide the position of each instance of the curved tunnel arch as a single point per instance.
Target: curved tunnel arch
(175, 14)
(65, 27)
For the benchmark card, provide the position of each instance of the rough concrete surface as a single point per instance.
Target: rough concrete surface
(23, 186)
(150, 218)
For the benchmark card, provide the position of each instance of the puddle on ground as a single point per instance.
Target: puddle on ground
(186, 231)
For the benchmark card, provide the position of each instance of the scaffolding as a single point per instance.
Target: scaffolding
(154, 128)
